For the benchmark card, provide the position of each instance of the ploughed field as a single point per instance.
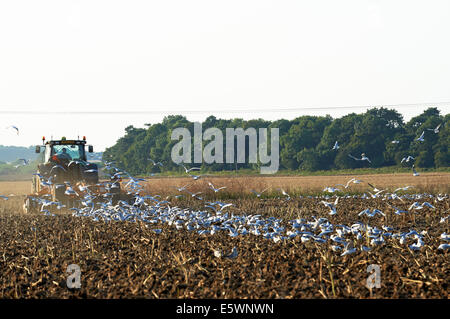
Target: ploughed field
(269, 247)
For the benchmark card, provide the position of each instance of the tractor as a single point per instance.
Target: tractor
(66, 177)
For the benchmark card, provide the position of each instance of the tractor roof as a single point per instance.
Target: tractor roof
(66, 142)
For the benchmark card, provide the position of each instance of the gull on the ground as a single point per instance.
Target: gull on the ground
(414, 171)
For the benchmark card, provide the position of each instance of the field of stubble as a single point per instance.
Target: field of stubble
(129, 260)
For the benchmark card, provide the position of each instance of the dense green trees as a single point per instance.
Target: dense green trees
(305, 142)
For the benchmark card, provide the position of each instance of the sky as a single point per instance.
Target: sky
(91, 68)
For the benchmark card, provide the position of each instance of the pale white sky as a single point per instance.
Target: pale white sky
(207, 56)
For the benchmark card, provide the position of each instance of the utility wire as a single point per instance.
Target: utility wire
(222, 109)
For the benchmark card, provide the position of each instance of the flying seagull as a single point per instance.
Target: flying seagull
(215, 189)
(435, 130)
(180, 189)
(25, 161)
(336, 146)
(353, 180)
(331, 206)
(363, 157)
(195, 177)
(421, 137)
(288, 197)
(190, 169)
(407, 159)
(15, 128)
(155, 163)
(258, 194)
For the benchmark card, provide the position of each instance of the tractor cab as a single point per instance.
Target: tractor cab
(65, 162)
(64, 150)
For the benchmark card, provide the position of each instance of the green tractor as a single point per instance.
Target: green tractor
(65, 176)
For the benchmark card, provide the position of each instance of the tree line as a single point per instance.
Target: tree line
(306, 142)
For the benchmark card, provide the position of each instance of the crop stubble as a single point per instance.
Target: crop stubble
(124, 259)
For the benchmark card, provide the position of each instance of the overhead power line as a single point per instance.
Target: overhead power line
(222, 109)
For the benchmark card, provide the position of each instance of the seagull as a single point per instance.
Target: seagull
(155, 163)
(180, 189)
(336, 146)
(414, 171)
(331, 189)
(349, 249)
(402, 188)
(418, 206)
(435, 130)
(222, 206)
(398, 211)
(190, 169)
(258, 194)
(363, 157)
(376, 189)
(195, 195)
(15, 128)
(25, 161)
(195, 177)
(421, 137)
(371, 214)
(443, 219)
(407, 159)
(418, 245)
(215, 189)
(331, 206)
(285, 194)
(354, 181)
(445, 236)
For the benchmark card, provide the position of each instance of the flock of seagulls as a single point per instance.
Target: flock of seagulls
(407, 159)
(217, 217)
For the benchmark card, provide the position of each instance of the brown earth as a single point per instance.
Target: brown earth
(128, 260)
